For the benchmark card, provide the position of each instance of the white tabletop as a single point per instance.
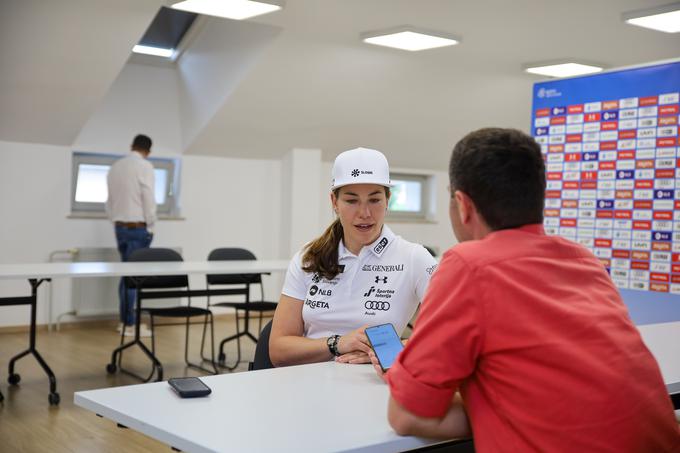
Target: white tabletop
(323, 407)
(105, 269)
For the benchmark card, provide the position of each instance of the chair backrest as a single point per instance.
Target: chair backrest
(232, 254)
(262, 360)
(162, 281)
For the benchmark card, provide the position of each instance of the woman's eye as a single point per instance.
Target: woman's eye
(375, 200)
(351, 201)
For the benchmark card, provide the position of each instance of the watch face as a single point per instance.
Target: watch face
(332, 343)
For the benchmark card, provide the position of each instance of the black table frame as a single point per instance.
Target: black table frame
(15, 378)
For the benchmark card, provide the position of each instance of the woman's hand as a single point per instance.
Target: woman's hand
(353, 357)
(354, 341)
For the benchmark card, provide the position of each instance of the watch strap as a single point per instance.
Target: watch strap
(332, 343)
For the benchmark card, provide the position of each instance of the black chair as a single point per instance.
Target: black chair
(241, 284)
(262, 360)
(147, 288)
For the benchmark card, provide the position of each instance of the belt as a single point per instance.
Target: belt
(131, 224)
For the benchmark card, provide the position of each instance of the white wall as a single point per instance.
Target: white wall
(143, 99)
(221, 205)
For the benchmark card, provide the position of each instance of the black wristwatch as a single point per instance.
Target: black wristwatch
(332, 343)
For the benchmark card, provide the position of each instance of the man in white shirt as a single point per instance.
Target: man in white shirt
(131, 206)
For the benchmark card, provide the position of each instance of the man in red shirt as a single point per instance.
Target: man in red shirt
(528, 327)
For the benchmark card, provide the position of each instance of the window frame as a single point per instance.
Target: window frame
(171, 165)
(427, 197)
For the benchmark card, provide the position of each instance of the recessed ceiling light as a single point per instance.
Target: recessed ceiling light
(663, 18)
(157, 51)
(409, 38)
(565, 69)
(230, 9)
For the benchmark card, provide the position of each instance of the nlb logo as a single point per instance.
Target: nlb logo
(323, 292)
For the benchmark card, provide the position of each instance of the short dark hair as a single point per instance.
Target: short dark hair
(503, 172)
(142, 142)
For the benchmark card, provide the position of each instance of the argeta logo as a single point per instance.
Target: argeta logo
(369, 292)
(379, 279)
(316, 278)
(313, 290)
(380, 246)
(355, 172)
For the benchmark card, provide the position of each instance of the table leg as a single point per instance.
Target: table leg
(15, 378)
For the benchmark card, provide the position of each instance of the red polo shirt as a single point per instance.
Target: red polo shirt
(532, 331)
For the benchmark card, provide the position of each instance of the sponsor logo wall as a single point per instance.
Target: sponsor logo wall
(610, 144)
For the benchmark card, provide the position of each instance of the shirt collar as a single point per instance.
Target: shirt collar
(531, 228)
(377, 247)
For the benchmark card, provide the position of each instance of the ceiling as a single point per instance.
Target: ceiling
(316, 85)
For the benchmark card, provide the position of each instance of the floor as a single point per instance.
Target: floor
(78, 356)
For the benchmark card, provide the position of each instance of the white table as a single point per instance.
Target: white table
(102, 269)
(322, 407)
(36, 273)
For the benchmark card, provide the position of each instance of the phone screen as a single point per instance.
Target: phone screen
(385, 342)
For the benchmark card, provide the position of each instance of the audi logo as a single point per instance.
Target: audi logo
(377, 305)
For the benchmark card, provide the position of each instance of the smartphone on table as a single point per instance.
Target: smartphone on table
(385, 343)
(189, 387)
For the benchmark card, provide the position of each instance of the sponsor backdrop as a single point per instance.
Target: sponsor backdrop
(610, 143)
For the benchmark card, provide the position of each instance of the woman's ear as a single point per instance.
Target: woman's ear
(334, 202)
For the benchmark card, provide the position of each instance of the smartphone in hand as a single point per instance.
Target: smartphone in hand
(385, 343)
(189, 387)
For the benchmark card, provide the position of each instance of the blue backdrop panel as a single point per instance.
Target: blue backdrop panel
(612, 154)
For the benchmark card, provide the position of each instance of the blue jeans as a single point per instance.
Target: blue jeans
(129, 240)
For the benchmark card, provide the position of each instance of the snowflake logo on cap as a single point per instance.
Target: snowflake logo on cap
(355, 172)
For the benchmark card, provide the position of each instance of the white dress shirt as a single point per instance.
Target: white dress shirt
(131, 191)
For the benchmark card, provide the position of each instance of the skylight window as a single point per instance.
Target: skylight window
(165, 33)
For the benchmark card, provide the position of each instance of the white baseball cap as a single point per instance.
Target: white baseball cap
(360, 166)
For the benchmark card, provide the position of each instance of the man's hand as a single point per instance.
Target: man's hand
(376, 365)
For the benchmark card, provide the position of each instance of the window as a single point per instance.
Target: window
(411, 197)
(165, 33)
(90, 191)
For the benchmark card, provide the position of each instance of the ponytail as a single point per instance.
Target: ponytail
(321, 255)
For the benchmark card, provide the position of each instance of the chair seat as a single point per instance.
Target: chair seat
(250, 306)
(178, 312)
